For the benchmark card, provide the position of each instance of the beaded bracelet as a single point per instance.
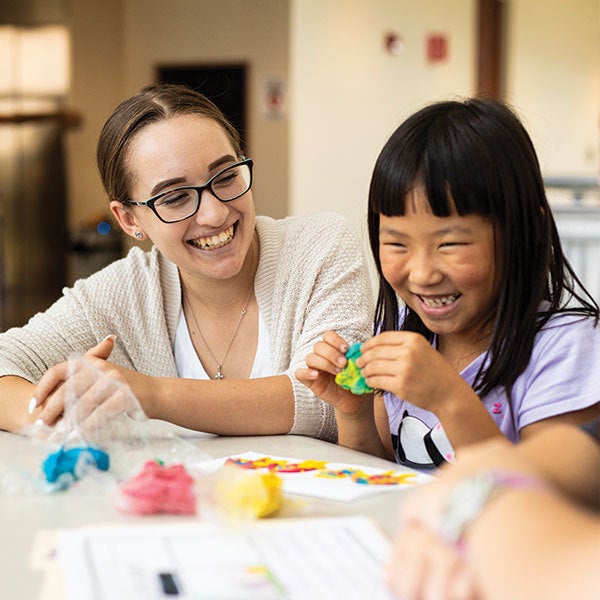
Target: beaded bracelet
(470, 496)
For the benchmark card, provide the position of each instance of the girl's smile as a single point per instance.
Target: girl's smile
(443, 268)
(438, 305)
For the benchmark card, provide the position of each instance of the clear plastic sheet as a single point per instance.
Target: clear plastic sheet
(102, 413)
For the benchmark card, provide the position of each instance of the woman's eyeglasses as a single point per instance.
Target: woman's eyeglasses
(181, 203)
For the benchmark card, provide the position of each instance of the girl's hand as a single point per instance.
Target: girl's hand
(423, 566)
(323, 364)
(406, 364)
(425, 503)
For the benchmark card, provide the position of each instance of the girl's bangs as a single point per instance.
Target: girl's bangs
(448, 190)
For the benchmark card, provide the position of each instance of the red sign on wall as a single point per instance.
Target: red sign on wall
(437, 47)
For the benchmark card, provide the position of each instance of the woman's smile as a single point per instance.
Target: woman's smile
(215, 241)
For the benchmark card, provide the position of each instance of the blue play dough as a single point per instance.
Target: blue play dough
(70, 462)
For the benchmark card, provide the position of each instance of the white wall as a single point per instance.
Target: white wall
(96, 88)
(345, 94)
(553, 79)
(348, 94)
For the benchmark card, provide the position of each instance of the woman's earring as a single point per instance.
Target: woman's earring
(139, 235)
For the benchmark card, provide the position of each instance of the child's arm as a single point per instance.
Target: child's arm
(568, 458)
(562, 457)
(518, 536)
(406, 364)
(361, 430)
(577, 417)
(382, 423)
(359, 423)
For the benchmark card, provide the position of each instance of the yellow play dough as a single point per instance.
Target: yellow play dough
(248, 494)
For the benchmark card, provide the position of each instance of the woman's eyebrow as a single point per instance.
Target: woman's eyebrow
(159, 187)
(227, 158)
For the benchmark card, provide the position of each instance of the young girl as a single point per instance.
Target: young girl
(496, 335)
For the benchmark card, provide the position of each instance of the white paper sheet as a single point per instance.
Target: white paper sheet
(309, 484)
(293, 559)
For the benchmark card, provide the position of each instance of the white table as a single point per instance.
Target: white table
(22, 517)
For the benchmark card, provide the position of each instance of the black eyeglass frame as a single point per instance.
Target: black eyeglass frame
(199, 189)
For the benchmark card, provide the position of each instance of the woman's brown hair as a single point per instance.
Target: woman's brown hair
(152, 104)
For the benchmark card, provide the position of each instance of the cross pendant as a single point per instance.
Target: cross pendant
(219, 374)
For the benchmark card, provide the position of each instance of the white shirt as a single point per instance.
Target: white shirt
(190, 367)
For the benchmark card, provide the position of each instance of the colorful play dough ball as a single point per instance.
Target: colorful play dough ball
(350, 378)
(158, 489)
(244, 494)
(71, 464)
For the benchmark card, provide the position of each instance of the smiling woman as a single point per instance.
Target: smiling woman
(213, 321)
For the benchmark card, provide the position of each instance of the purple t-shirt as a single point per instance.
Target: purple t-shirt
(563, 375)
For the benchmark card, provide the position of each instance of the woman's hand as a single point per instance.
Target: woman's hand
(90, 389)
(324, 363)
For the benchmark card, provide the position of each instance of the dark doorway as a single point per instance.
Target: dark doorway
(33, 235)
(225, 85)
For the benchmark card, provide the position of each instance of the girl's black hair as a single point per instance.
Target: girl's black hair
(475, 157)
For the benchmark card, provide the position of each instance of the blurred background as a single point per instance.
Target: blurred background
(315, 87)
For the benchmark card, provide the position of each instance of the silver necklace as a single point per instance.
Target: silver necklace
(219, 363)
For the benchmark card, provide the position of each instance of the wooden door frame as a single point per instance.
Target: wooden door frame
(491, 48)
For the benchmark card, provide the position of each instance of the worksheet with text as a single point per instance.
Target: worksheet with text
(285, 558)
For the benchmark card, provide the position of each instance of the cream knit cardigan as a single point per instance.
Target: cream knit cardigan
(311, 277)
